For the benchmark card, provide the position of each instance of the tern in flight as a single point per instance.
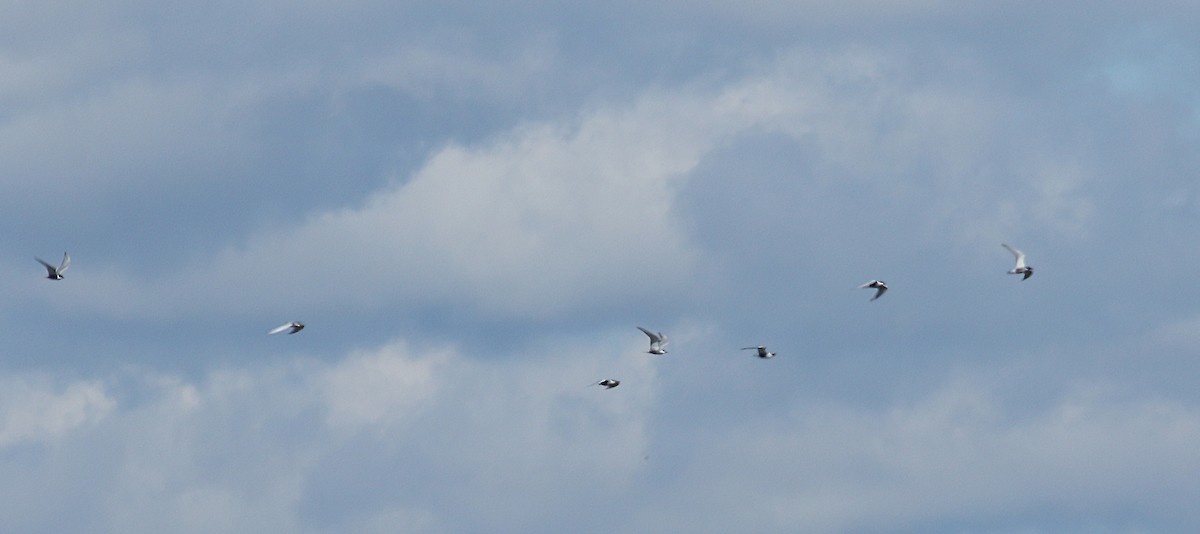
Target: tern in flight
(1020, 268)
(879, 285)
(762, 352)
(292, 327)
(608, 383)
(657, 341)
(56, 273)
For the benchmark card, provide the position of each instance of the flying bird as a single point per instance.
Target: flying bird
(879, 285)
(294, 326)
(657, 341)
(608, 383)
(56, 273)
(762, 352)
(1020, 268)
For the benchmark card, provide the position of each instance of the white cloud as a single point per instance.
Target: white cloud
(372, 389)
(957, 455)
(903, 157)
(32, 411)
(530, 223)
(391, 438)
(258, 447)
(553, 216)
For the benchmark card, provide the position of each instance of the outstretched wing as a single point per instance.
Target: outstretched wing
(279, 328)
(654, 338)
(49, 268)
(65, 263)
(868, 284)
(1016, 253)
(879, 292)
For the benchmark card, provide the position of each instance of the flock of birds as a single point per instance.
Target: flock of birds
(658, 340)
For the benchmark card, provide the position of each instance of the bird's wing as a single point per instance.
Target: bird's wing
(662, 339)
(879, 292)
(868, 284)
(49, 268)
(1016, 253)
(280, 328)
(654, 338)
(749, 348)
(65, 263)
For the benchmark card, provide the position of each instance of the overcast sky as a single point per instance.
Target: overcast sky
(473, 205)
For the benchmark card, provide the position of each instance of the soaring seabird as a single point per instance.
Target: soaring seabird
(56, 273)
(879, 285)
(762, 352)
(657, 341)
(1020, 268)
(294, 326)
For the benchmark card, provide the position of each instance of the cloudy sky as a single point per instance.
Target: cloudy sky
(472, 205)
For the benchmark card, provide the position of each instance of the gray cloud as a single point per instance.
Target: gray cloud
(391, 438)
(505, 224)
(463, 202)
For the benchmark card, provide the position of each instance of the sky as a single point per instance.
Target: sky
(472, 206)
